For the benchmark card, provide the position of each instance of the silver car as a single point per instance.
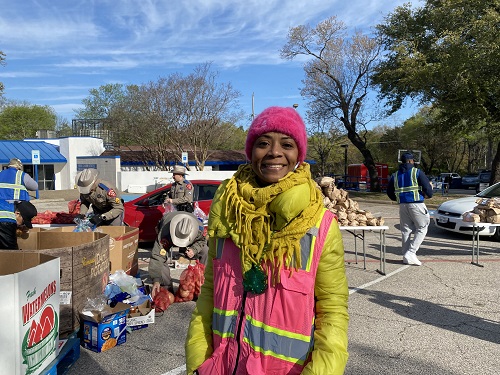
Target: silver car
(449, 214)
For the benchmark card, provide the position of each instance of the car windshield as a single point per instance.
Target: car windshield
(491, 192)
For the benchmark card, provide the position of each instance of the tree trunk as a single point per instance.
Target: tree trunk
(495, 167)
(367, 160)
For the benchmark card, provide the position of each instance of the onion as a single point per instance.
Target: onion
(171, 297)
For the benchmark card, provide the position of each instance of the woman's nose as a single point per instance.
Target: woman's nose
(276, 150)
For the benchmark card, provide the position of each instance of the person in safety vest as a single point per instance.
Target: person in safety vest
(409, 186)
(107, 205)
(181, 192)
(275, 295)
(14, 186)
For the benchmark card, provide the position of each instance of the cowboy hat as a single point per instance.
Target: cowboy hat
(179, 169)
(85, 180)
(184, 228)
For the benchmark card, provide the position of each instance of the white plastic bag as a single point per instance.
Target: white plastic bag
(199, 213)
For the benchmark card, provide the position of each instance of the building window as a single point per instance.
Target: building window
(46, 175)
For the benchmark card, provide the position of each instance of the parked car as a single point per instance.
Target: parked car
(483, 180)
(448, 215)
(470, 181)
(145, 211)
(456, 179)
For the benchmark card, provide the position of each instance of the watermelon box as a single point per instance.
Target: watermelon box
(29, 286)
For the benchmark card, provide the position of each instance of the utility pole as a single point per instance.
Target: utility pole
(253, 109)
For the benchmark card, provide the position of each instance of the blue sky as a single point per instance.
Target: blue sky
(57, 50)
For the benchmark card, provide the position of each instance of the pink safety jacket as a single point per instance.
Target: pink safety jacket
(270, 333)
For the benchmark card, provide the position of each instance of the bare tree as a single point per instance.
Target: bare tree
(205, 106)
(337, 79)
(177, 114)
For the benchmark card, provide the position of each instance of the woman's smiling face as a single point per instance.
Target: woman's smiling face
(273, 156)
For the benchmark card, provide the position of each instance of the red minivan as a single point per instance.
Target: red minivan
(146, 211)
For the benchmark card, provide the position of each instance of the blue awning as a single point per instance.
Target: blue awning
(49, 154)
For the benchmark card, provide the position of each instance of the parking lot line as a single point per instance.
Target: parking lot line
(364, 286)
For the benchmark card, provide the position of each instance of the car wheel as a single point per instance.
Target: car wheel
(496, 236)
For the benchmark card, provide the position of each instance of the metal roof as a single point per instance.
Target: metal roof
(49, 154)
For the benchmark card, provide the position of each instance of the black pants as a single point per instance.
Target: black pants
(8, 237)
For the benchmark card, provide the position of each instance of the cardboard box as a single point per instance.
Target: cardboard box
(493, 216)
(123, 246)
(141, 316)
(101, 332)
(183, 263)
(84, 269)
(29, 311)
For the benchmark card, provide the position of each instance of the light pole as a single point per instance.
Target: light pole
(345, 146)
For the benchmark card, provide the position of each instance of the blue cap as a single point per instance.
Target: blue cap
(406, 156)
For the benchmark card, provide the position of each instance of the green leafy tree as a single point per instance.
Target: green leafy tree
(100, 102)
(446, 53)
(63, 128)
(337, 78)
(24, 120)
(324, 145)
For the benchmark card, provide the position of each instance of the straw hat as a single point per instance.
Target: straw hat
(85, 180)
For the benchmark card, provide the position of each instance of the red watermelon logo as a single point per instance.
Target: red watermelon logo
(40, 340)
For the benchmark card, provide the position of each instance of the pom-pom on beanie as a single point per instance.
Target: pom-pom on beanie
(284, 120)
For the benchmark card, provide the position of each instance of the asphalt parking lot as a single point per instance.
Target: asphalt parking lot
(440, 318)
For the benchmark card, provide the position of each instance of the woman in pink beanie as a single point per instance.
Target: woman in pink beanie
(275, 295)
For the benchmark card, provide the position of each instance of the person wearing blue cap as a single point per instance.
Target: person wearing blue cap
(409, 186)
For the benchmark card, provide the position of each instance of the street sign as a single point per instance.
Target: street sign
(184, 157)
(35, 157)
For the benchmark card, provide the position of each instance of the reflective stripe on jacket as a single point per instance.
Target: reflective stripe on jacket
(406, 186)
(11, 189)
(252, 333)
(7, 211)
(11, 185)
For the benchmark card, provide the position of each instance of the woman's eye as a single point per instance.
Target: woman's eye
(262, 144)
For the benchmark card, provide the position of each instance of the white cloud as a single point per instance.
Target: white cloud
(69, 47)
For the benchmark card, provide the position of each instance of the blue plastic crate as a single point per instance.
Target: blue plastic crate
(65, 359)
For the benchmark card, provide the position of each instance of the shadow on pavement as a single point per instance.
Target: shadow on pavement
(437, 315)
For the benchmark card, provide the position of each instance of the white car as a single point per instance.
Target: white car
(448, 215)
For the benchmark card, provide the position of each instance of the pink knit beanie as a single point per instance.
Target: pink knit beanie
(284, 120)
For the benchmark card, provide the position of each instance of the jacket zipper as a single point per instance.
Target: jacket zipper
(238, 334)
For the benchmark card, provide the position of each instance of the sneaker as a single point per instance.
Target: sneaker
(411, 258)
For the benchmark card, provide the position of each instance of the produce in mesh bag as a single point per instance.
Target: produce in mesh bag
(74, 206)
(190, 282)
(163, 299)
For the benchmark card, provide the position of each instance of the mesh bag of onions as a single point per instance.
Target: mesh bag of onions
(162, 300)
(190, 282)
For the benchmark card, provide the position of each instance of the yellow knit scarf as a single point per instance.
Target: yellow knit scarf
(267, 223)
